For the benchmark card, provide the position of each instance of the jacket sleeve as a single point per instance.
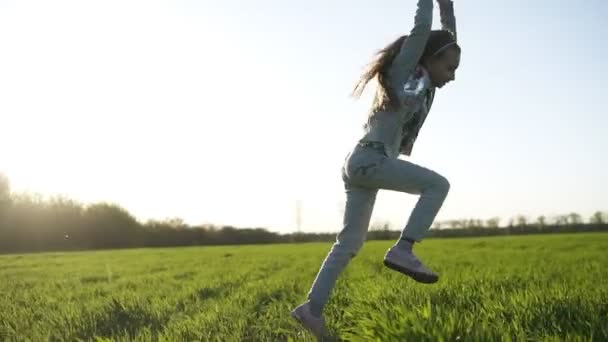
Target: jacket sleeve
(411, 50)
(448, 20)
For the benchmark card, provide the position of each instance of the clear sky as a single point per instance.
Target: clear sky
(228, 111)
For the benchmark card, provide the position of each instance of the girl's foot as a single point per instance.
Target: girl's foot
(406, 262)
(316, 325)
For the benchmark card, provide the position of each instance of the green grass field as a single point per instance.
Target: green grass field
(542, 287)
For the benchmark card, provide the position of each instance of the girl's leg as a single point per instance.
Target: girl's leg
(359, 206)
(404, 176)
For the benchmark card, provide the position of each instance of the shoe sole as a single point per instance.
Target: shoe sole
(297, 317)
(419, 277)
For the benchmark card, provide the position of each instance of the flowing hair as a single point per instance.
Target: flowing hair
(383, 59)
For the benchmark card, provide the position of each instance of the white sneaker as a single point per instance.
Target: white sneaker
(407, 263)
(316, 325)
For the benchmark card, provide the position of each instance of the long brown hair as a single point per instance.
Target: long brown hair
(383, 59)
(377, 68)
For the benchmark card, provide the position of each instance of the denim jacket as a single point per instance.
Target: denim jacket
(398, 129)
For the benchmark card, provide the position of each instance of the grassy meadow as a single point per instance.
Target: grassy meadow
(535, 287)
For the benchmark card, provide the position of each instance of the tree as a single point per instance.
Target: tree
(380, 230)
(574, 218)
(493, 222)
(5, 192)
(109, 225)
(598, 218)
(5, 203)
(541, 220)
(5, 188)
(522, 220)
(175, 223)
(454, 223)
(380, 226)
(561, 220)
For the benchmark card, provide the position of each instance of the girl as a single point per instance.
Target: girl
(408, 71)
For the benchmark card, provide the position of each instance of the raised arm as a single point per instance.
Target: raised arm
(448, 20)
(412, 48)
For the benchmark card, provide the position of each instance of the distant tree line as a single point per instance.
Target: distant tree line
(30, 223)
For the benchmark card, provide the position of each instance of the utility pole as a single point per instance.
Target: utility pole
(298, 215)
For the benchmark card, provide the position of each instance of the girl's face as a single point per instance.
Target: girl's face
(442, 69)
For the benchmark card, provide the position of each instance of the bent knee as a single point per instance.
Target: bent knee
(441, 183)
(445, 183)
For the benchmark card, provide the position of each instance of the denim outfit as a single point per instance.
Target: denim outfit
(373, 162)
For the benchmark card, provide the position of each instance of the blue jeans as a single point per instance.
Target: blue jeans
(367, 169)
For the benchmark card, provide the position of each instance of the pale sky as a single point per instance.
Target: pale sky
(227, 112)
